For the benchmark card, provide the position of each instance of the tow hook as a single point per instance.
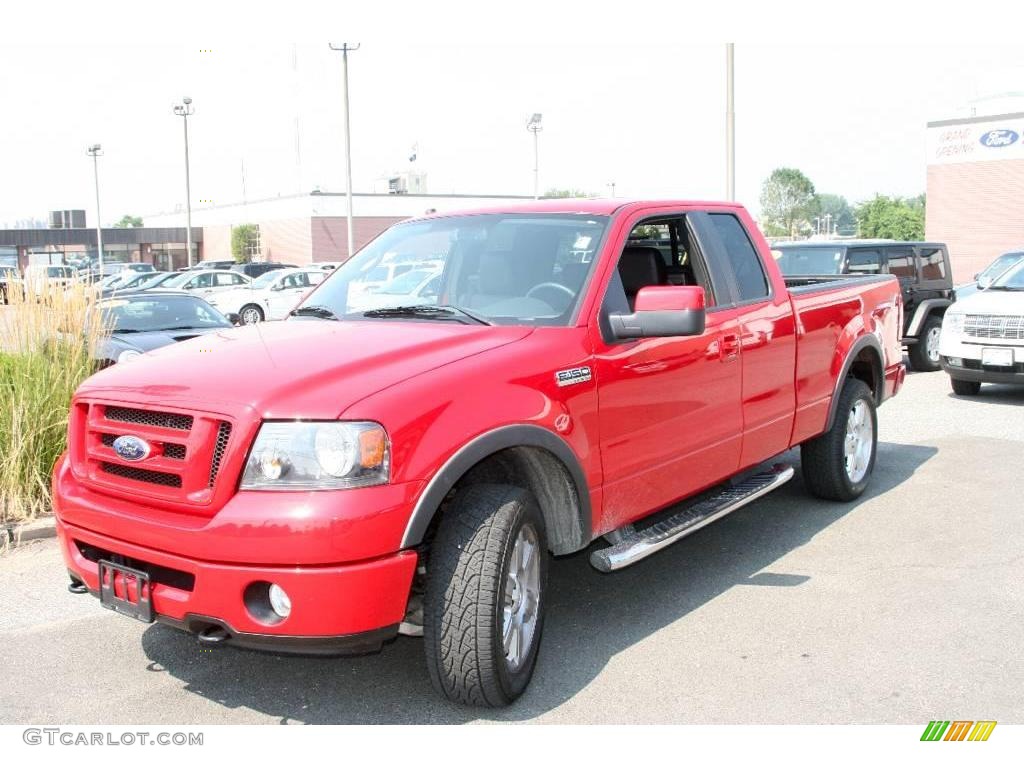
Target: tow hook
(77, 587)
(213, 636)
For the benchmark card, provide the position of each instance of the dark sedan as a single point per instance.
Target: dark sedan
(144, 321)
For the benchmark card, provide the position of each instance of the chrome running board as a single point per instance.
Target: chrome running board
(638, 544)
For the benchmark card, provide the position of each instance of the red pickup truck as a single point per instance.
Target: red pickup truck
(580, 370)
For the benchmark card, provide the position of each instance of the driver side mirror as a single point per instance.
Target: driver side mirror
(234, 318)
(662, 310)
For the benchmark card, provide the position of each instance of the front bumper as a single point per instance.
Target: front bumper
(335, 608)
(983, 375)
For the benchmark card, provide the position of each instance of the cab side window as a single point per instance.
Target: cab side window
(751, 281)
(862, 261)
(933, 264)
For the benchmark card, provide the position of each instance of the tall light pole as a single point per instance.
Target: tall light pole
(533, 125)
(96, 150)
(730, 126)
(345, 48)
(184, 110)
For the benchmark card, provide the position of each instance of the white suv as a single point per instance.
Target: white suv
(983, 335)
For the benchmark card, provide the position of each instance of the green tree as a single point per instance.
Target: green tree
(892, 217)
(243, 239)
(843, 221)
(128, 222)
(788, 202)
(555, 192)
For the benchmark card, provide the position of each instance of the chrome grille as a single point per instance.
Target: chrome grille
(148, 418)
(223, 433)
(142, 475)
(994, 326)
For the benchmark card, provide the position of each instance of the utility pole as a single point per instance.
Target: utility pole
(184, 110)
(96, 150)
(345, 48)
(730, 126)
(533, 125)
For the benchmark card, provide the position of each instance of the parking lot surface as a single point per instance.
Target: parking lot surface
(903, 607)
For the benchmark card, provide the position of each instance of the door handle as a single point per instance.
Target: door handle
(730, 347)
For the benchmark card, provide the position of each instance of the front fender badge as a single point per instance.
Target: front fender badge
(572, 376)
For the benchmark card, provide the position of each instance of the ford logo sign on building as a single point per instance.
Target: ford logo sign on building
(1002, 137)
(131, 448)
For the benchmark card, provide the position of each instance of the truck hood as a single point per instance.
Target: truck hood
(992, 302)
(311, 369)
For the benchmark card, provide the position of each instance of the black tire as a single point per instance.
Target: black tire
(823, 458)
(920, 360)
(250, 308)
(965, 388)
(466, 575)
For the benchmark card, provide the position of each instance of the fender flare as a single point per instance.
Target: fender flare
(866, 341)
(478, 449)
(922, 311)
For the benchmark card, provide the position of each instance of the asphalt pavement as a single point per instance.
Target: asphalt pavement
(903, 607)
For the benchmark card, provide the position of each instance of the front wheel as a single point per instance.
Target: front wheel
(924, 356)
(485, 598)
(965, 388)
(838, 464)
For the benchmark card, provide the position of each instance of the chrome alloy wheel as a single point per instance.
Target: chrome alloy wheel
(522, 598)
(251, 316)
(931, 344)
(859, 441)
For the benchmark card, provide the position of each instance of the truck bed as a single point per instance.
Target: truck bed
(812, 283)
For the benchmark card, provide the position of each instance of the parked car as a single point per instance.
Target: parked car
(418, 286)
(130, 280)
(327, 266)
(270, 296)
(206, 282)
(10, 281)
(983, 334)
(356, 474)
(43, 278)
(141, 322)
(923, 269)
(984, 278)
(255, 269)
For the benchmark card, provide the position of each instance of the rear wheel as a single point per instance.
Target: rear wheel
(485, 598)
(924, 356)
(967, 388)
(251, 314)
(838, 464)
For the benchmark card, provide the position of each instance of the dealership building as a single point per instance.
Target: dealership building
(300, 229)
(975, 192)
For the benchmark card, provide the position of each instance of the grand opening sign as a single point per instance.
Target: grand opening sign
(958, 141)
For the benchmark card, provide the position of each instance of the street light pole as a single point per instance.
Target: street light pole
(96, 150)
(533, 125)
(184, 110)
(345, 48)
(730, 126)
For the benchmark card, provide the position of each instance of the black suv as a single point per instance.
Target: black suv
(923, 270)
(257, 268)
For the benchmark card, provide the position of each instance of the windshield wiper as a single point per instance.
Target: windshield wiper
(439, 311)
(314, 310)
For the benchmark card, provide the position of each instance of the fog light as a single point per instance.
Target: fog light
(957, 362)
(279, 601)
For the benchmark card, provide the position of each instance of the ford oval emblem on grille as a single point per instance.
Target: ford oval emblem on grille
(131, 448)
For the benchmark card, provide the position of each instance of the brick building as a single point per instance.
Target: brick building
(975, 189)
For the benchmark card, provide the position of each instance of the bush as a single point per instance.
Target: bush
(45, 353)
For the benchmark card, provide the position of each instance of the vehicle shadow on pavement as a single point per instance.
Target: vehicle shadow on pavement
(998, 394)
(591, 618)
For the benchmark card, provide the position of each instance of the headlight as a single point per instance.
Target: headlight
(315, 455)
(128, 355)
(954, 322)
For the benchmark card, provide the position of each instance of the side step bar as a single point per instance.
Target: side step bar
(638, 544)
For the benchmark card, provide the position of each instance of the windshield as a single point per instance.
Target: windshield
(179, 280)
(406, 283)
(266, 279)
(808, 260)
(997, 267)
(151, 281)
(511, 269)
(160, 313)
(1013, 280)
(59, 272)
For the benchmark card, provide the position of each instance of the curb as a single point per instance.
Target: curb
(12, 535)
